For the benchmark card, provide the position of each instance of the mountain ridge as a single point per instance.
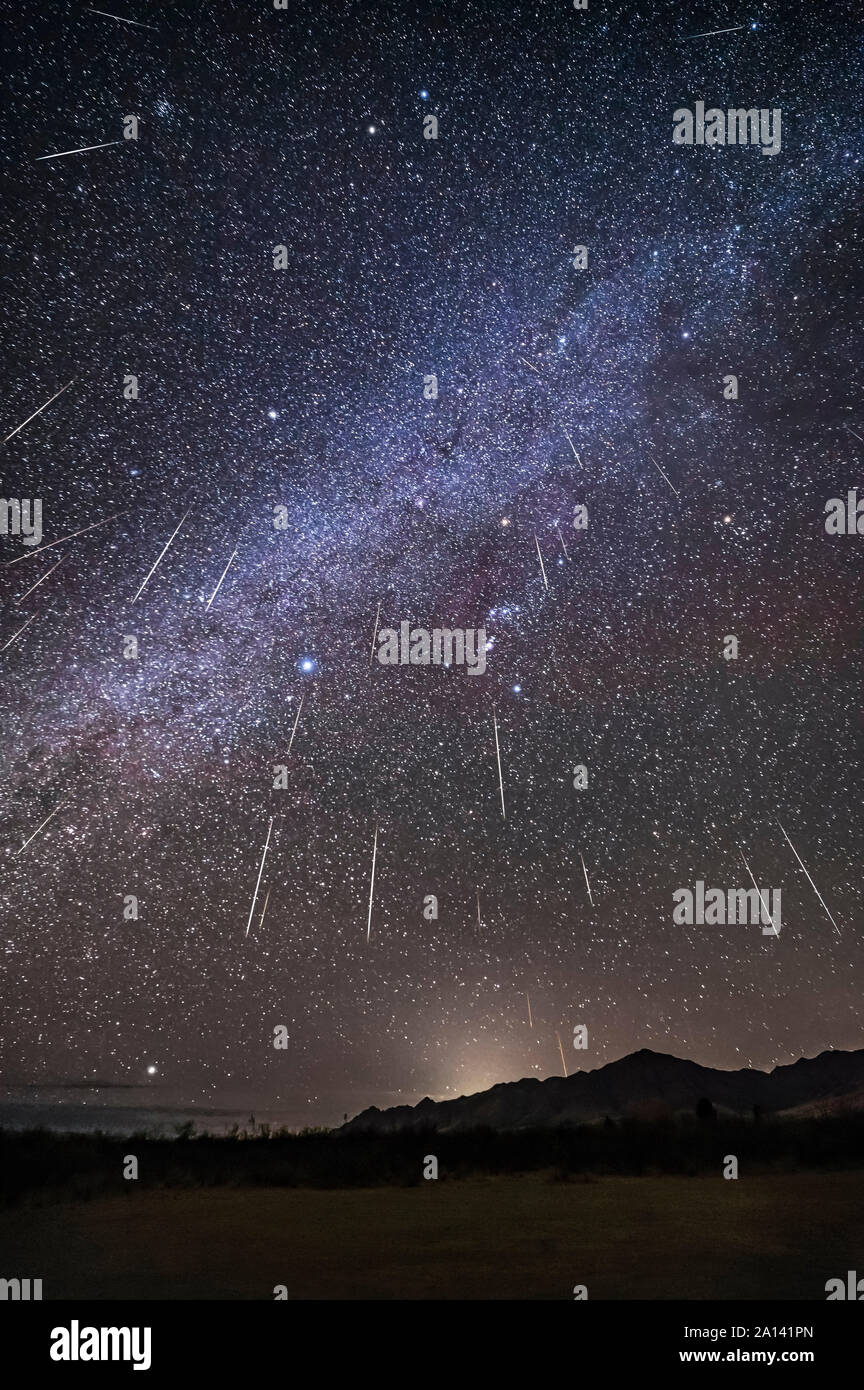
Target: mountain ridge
(644, 1084)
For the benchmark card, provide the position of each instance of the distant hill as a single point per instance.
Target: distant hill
(647, 1084)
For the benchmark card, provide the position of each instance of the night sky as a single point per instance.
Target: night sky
(303, 388)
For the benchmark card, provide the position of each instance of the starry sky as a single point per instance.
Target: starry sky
(303, 388)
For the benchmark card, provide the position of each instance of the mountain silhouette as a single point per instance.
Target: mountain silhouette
(643, 1084)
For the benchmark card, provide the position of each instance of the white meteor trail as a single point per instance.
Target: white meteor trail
(260, 872)
(264, 909)
(224, 572)
(587, 884)
(573, 447)
(82, 149)
(375, 633)
(561, 539)
(40, 581)
(479, 922)
(542, 566)
(561, 1050)
(296, 722)
(809, 879)
(709, 33)
(121, 20)
(498, 756)
(42, 407)
(663, 475)
(530, 1019)
(528, 364)
(759, 891)
(15, 636)
(164, 548)
(51, 544)
(372, 886)
(41, 827)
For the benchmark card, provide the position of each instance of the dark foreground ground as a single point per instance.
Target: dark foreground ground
(530, 1237)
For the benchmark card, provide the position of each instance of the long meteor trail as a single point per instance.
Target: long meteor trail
(41, 827)
(40, 581)
(82, 149)
(164, 548)
(121, 20)
(56, 393)
(587, 884)
(573, 447)
(372, 886)
(260, 872)
(759, 891)
(375, 633)
(809, 879)
(542, 566)
(16, 635)
(221, 577)
(498, 756)
(296, 722)
(51, 544)
(663, 475)
(561, 1050)
(709, 33)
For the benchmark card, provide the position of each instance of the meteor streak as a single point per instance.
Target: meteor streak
(164, 548)
(587, 884)
(663, 475)
(561, 1050)
(709, 33)
(542, 566)
(56, 393)
(82, 149)
(264, 908)
(573, 447)
(41, 827)
(120, 19)
(40, 581)
(375, 633)
(498, 755)
(372, 886)
(15, 636)
(224, 572)
(809, 879)
(260, 872)
(70, 537)
(759, 891)
(296, 721)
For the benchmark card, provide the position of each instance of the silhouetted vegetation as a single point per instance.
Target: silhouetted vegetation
(40, 1166)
